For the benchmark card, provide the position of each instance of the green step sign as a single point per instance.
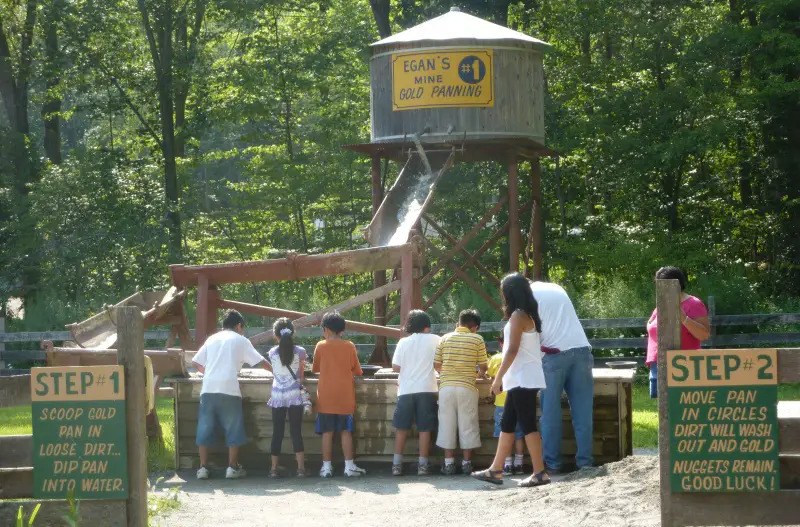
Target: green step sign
(723, 421)
(79, 442)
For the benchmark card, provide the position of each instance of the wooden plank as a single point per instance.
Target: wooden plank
(513, 215)
(16, 483)
(316, 317)
(669, 338)
(360, 327)
(130, 331)
(293, 267)
(790, 471)
(16, 451)
(165, 362)
(753, 339)
(789, 427)
(735, 508)
(789, 365)
(407, 287)
(15, 390)
(105, 513)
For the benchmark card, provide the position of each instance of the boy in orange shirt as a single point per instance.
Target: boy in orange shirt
(336, 361)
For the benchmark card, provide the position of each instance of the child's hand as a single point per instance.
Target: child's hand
(497, 386)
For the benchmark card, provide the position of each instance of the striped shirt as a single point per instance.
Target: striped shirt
(459, 353)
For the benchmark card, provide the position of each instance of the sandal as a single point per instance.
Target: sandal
(488, 476)
(535, 480)
(274, 473)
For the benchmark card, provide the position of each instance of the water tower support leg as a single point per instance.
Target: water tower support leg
(379, 353)
(538, 219)
(513, 215)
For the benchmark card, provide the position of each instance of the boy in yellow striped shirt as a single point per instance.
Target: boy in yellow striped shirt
(459, 356)
(509, 467)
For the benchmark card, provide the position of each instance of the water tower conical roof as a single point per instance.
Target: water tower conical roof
(455, 25)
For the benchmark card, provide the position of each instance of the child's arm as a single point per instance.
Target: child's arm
(437, 359)
(315, 366)
(199, 359)
(483, 364)
(355, 364)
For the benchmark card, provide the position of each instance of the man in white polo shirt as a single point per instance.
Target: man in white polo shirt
(567, 367)
(219, 360)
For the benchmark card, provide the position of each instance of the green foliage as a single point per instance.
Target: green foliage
(676, 124)
(21, 515)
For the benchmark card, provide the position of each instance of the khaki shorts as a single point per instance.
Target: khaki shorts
(458, 418)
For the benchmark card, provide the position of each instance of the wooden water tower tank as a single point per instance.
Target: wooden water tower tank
(457, 77)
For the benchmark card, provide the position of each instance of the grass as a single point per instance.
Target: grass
(17, 420)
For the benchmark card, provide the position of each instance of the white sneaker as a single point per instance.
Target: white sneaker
(354, 471)
(325, 472)
(235, 473)
(202, 473)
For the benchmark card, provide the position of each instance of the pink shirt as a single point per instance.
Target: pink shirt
(694, 308)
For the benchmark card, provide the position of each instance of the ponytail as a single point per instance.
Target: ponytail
(284, 330)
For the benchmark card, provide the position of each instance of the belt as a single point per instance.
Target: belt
(551, 351)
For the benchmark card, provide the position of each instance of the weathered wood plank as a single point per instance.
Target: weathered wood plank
(15, 390)
(16, 451)
(735, 508)
(293, 267)
(106, 513)
(789, 427)
(16, 483)
(789, 365)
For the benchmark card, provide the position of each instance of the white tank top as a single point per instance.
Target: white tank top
(526, 370)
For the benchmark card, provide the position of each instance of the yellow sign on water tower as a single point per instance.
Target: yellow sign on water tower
(442, 79)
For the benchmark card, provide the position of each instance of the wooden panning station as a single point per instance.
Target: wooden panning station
(454, 89)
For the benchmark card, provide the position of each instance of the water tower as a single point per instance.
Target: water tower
(454, 89)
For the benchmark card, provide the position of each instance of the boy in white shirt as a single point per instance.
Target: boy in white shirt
(416, 389)
(219, 360)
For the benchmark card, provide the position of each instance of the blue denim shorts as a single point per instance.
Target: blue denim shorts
(223, 410)
(334, 423)
(419, 408)
(498, 416)
(653, 377)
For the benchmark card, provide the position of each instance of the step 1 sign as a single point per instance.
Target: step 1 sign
(442, 79)
(79, 428)
(723, 420)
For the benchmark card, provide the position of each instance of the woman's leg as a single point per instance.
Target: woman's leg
(534, 443)
(278, 426)
(504, 445)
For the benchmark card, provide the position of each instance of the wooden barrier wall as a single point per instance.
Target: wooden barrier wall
(374, 436)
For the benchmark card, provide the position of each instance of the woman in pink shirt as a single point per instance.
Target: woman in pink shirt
(695, 326)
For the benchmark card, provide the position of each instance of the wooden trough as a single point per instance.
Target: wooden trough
(374, 436)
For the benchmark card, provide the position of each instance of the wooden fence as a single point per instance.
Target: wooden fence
(748, 337)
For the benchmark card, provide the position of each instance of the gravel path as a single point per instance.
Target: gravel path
(622, 493)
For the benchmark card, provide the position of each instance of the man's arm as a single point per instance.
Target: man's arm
(199, 367)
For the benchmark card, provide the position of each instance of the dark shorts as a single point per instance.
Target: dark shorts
(419, 408)
(334, 423)
(520, 409)
(220, 412)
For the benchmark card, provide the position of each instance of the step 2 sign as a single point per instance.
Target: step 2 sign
(723, 420)
(79, 428)
(442, 79)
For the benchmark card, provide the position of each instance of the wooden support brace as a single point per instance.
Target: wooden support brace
(447, 257)
(316, 317)
(468, 279)
(361, 327)
(482, 268)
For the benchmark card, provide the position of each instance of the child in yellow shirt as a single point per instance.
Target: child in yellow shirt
(509, 467)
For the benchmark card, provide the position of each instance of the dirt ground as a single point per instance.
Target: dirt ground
(622, 493)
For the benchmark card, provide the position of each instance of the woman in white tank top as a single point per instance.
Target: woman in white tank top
(521, 376)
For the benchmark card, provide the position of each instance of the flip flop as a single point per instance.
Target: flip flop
(488, 476)
(535, 480)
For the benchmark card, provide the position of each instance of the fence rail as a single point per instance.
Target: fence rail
(632, 343)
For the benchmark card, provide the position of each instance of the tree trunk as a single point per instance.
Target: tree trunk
(51, 108)
(380, 10)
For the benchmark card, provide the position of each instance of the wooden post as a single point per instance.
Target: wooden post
(406, 286)
(212, 318)
(712, 311)
(200, 318)
(538, 220)
(130, 354)
(2, 330)
(513, 215)
(380, 353)
(668, 298)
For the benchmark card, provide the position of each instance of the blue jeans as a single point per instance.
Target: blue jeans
(570, 371)
(654, 381)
